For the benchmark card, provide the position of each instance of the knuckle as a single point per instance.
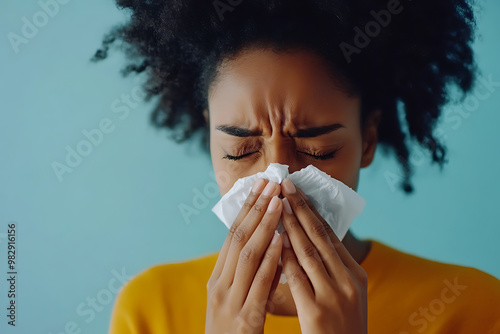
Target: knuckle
(329, 230)
(239, 235)
(309, 252)
(210, 284)
(233, 229)
(300, 203)
(350, 286)
(352, 292)
(247, 254)
(262, 277)
(292, 224)
(353, 296)
(362, 276)
(252, 317)
(319, 230)
(296, 278)
(247, 205)
(259, 207)
(216, 299)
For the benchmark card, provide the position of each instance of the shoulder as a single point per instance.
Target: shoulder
(160, 292)
(169, 276)
(434, 292)
(422, 269)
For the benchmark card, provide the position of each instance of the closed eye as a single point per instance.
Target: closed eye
(316, 156)
(237, 157)
(321, 156)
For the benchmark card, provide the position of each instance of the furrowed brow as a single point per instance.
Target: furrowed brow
(301, 133)
(238, 131)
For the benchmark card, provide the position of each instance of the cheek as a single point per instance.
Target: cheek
(222, 170)
(347, 164)
(348, 170)
(227, 172)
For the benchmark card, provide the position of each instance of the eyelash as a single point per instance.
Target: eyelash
(326, 156)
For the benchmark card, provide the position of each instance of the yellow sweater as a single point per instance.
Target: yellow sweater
(406, 294)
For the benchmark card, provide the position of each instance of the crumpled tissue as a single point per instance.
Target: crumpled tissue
(335, 202)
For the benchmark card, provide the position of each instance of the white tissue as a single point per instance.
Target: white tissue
(335, 202)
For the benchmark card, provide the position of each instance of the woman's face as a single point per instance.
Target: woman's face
(285, 108)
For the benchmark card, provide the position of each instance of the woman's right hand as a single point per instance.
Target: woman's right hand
(246, 273)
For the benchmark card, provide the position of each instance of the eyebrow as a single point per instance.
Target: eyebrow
(301, 133)
(238, 131)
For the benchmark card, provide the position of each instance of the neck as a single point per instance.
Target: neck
(358, 249)
(282, 301)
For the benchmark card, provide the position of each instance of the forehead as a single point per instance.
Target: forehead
(293, 86)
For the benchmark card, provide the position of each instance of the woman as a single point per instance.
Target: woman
(299, 83)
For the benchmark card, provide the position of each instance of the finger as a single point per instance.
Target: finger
(252, 197)
(297, 279)
(263, 280)
(305, 251)
(221, 258)
(314, 227)
(276, 279)
(344, 254)
(244, 231)
(253, 252)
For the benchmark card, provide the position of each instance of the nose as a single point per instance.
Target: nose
(282, 151)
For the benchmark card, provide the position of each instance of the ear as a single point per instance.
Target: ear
(205, 114)
(370, 137)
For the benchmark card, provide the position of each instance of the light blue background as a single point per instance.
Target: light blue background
(118, 210)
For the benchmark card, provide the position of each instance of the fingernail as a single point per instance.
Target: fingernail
(269, 188)
(257, 186)
(274, 204)
(287, 206)
(289, 186)
(286, 240)
(275, 237)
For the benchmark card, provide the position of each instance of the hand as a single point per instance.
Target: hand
(328, 286)
(246, 273)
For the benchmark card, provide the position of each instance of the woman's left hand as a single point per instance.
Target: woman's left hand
(328, 286)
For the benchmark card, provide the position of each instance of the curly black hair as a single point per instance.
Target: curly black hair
(401, 57)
